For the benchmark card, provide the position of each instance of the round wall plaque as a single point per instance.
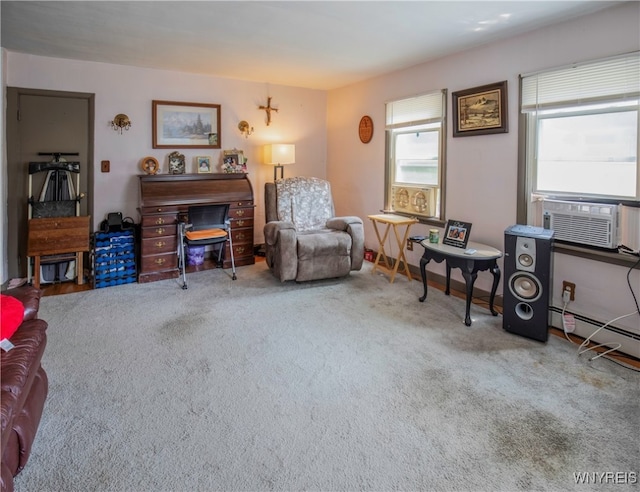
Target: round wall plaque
(150, 165)
(365, 129)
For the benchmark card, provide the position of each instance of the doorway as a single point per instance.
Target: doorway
(40, 121)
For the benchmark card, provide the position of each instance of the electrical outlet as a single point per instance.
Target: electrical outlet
(571, 288)
(409, 245)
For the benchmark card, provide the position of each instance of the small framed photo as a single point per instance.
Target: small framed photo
(480, 110)
(203, 163)
(457, 233)
(176, 163)
(233, 161)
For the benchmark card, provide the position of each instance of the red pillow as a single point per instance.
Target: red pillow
(11, 314)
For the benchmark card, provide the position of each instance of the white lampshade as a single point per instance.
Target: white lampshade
(280, 154)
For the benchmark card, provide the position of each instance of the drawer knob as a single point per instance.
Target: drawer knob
(160, 230)
(240, 223)
(160, 261)
(159, 220)
(240, 213)
(159, 210)
(240, 236)
(160, 244)
(240, 250)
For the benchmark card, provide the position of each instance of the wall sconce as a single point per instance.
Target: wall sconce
(244, 128)
(279, 155)
(121, 122)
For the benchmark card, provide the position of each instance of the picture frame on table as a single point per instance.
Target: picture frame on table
(456, 233)
(233, 161)
(184, 125)
(203, 164)
(480, 110)
(176, 163)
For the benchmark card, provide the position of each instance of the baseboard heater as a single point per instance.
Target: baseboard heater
(591, 321)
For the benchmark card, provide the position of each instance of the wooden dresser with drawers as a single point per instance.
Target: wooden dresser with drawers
(164, 201)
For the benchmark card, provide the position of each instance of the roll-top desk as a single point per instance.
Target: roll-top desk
(164, 200)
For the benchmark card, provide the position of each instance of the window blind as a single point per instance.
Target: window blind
(415, 110)
(611, 79)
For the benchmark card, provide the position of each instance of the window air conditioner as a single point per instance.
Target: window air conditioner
(593, 224)
(413, 200)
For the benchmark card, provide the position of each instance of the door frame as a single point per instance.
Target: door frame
(17, 178)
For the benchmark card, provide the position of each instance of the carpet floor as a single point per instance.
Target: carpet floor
(347, 384)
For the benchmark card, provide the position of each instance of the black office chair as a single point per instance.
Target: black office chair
(206, 225)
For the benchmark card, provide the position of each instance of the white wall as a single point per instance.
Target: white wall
(301, 119)
(482, 170)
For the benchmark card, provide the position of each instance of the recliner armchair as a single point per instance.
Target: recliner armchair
(303, 239)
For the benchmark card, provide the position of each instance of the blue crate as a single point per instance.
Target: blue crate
(114, 258)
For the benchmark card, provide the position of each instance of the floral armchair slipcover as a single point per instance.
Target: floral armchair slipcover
(303, 239)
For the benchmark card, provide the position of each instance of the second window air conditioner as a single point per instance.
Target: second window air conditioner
(593, 224)
(413, 200)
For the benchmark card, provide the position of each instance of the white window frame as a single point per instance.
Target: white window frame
(417, 114)
(592, 87)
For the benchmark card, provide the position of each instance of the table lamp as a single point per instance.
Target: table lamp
(279, 155)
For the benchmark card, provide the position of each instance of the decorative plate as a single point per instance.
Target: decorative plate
(150, 165)
(365, 129)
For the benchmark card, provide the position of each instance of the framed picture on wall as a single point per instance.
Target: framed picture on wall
(456, 233)
(480, 110)
(184, 125)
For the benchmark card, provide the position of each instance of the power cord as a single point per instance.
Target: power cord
(584, 345)
(635, 300)
(568, 321)
(627, 250)
(587, 341)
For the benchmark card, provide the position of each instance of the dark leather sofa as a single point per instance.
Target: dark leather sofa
(24, 386)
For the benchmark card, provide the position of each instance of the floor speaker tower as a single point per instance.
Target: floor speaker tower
(527, 269)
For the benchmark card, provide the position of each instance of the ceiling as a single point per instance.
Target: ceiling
(318, 45)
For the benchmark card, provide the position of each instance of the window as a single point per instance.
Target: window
(578, 169)
(588, 152)
(415, 130)
(582, 131)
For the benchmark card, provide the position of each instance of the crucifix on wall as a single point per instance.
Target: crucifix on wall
(268, 110)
